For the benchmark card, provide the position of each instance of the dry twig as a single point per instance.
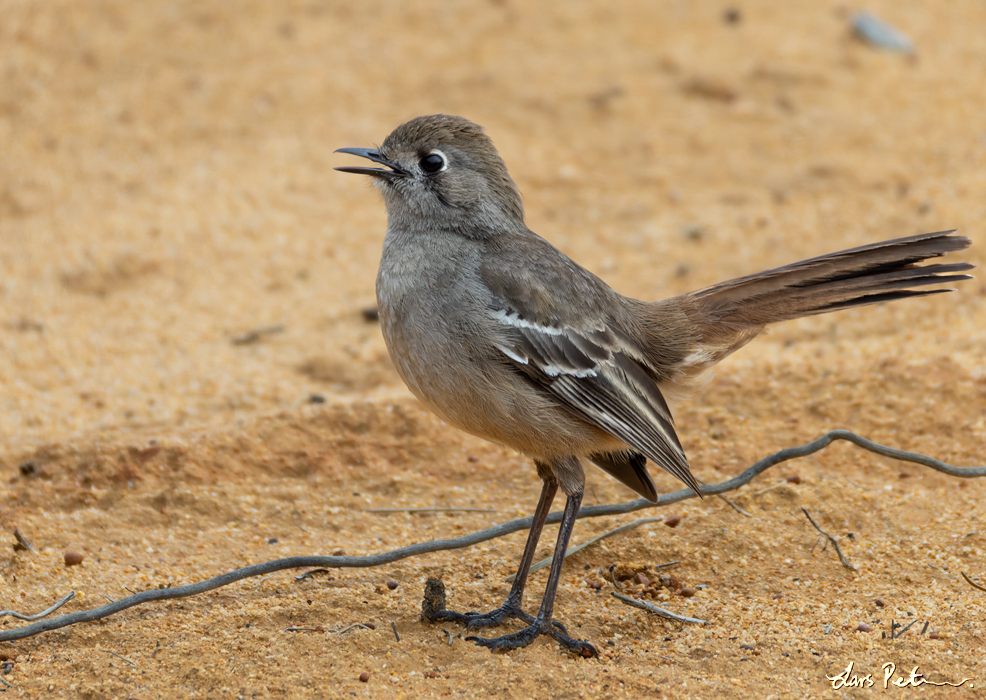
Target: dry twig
(252, 336)
(650, 607)
(107, 651)
(22, 543)
(770, 488)
(431, 509)
(572, 550)
(734, 506)
(835, 543)
(971, 582)
(894, 634)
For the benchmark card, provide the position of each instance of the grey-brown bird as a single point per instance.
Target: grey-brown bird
(504, 336)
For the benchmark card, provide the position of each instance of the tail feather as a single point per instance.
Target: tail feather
(865, 261)
(728, 315)
(841, 293)
(854, 277)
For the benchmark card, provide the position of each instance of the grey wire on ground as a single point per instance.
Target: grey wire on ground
(43, 613)
(480, 536)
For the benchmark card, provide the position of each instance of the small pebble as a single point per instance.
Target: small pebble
(672, 520)
(392, 585)
(669, 581)
(863, 627)
(364, 677)
(688, 592)
(778, 596)
(876, 32)
(642, 580)
(693, 232)
(73, 558)
(934, 635)
(794, 479)
(879, 603)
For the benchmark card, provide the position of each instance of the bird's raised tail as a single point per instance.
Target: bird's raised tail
(728, 315)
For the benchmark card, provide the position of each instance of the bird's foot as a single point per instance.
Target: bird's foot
(475, 620)
(532, 632)
(433, 609)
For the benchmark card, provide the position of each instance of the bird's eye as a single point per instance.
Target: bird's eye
(432, 163)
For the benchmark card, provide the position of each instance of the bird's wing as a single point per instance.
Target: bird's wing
(600, 376)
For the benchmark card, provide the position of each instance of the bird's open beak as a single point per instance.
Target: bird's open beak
(370, 154)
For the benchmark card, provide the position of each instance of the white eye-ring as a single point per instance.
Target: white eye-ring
(434, 162)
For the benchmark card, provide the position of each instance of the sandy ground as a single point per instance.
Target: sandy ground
(188, 383)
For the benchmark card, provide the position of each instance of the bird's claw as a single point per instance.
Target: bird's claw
(532, 632)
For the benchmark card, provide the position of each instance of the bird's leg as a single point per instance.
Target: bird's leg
(542, 624)
(511, 606)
